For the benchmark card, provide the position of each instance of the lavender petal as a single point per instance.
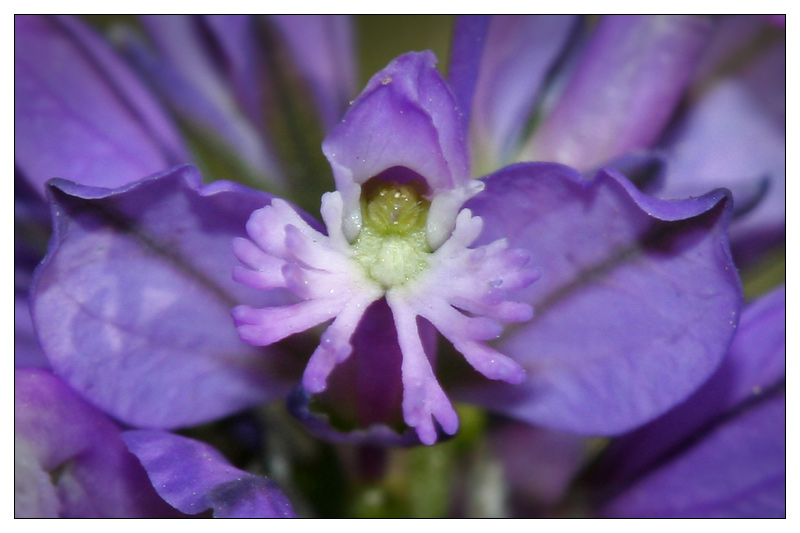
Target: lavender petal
(623, 91)
(194, 477)
(132, 303)
(637, 302)
(81, 113)
(72, 461)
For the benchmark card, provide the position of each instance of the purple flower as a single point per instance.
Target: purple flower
(88, 118)
(735, 136)
(129, 265)
(254, 93)
(585, 305)
(404, 241)
(396, 229)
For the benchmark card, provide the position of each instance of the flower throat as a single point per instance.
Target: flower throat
(392, 246)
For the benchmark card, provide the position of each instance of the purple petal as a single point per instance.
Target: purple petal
(518, 55)
(405, 117)
(369, 383)
(469, 41)
(755, 362)
(738, 470)
(323, 50)
(132, 304)
(366, 389)
(194, 477)
(81, 114)
(236, 38)
(637, 302)
(182, 41)
(69, 458)
(629, 80)
(735, 137)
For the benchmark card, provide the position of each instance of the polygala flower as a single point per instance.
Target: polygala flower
(635, 306)
(400, 233)
(396, 228)
(396, 254)
(540, 233)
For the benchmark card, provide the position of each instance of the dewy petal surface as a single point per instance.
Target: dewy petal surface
(132, 303)
(69, 458)
(81, 114)
(637, 302)
(623, 91)
(194, 477)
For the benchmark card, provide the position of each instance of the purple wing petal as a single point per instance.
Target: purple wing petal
(194, 477)
(81, 114)
(69, 458)
(623, 91)
(637, 302)
(518, 54)
(132, 304)
(738, 470)
(405, 117)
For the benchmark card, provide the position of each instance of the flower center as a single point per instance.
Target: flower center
(392, 246)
